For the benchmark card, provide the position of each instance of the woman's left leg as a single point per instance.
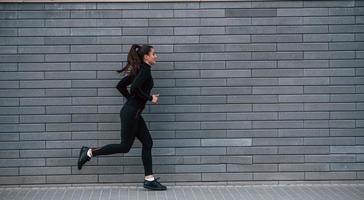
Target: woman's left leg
(145, 138)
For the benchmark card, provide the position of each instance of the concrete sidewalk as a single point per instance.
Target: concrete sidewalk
(251, 192)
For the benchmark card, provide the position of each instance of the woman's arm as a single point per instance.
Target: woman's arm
(123, 83)
(136, 86)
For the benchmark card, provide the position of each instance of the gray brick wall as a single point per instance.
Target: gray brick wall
(250, 91)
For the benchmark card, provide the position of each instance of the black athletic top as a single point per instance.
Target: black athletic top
(140, 88)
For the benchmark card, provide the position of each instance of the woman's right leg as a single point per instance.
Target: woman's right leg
(129, 126)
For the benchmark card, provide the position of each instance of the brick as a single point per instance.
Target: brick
(200, 65)
(304, 167)
(277, 107)
(201, 151)
(303, 115)
(277, 21)
(226, 125)
(226, 56)
(278, 90)
(252, 168)
(302, 11)
(250, 47)
(252, 81)
(331, 3)
(277, 124)
(303, 47)
(95, 14)
(347, 149)
(329, 175)
(329, 20)
(198, 30)
(225, 39)
(279, 176)
(277, 141)
(250, 30)
(304, 81)
(173, 22)
(328, 37)
(251, 133)
(201, 117)
(70, 57)
(277, 55)
(278, 159)
(198, 48)
(252, 116)
(226, 159)
(334, 158)
(304, 150)
(22, 23)
(200, 168)
(250, 12)
(8, 50)
(21, 58)
(303, 98)
(226, 176)
(9, 154)
(345, 28)
(72, 179)
(225, 22)
(200, 82)
(330, 141)
(329, 89)
(277, 4)
(253, 99)
(276, 72)
(251, 150)
(45, 153)
(346, 132)
(225, 90)
(11, 180)
(174, 125)
(225, 5)
(95, 48)
(330, 55)
(44, 170)
(200, 133)
(8, 32)
(303, 133)
(200, 13)
(303, 29)
(346, 166)
(226, 142)
(22, 162)
(276, 38)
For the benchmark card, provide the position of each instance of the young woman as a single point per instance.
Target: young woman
(138, 74)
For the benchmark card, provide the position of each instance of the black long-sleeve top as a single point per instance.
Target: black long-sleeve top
(140, 88)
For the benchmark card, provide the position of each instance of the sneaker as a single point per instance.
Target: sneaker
(154, 185)
(83, 157)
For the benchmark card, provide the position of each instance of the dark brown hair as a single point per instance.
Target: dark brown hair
(135, 58)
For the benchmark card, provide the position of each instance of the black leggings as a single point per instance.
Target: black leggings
(132, 125)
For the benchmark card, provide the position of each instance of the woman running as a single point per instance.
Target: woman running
(138, 74)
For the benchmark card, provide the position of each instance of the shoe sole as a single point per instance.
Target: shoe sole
(79, 166)
(150, 188)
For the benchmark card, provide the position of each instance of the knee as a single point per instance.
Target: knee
(126, 147)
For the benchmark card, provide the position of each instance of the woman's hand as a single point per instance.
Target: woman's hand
(155, 98)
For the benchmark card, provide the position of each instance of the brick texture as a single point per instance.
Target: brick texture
(250, 91)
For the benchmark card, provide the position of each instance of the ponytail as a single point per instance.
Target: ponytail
(135, 59)
(133, 62)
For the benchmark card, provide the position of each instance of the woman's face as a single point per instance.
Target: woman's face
(151, 58)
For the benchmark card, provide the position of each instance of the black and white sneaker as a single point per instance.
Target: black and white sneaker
(83, 157)
(154, 185)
